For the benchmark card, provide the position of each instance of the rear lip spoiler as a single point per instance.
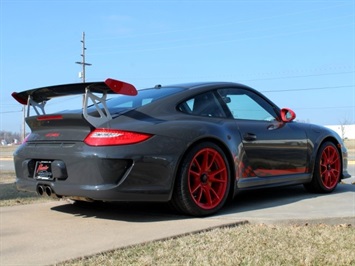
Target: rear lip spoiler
(36, 98)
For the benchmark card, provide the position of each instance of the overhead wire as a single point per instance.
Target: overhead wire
(235, 22)
(191, 29)
(311, 89)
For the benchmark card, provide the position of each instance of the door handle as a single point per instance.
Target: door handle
(249, 136)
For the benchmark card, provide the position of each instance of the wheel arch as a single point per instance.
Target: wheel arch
(227, 153)
(337, 145)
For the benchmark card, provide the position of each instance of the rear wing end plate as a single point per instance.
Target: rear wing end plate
(36, 99)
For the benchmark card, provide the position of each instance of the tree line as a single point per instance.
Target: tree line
(7, 137)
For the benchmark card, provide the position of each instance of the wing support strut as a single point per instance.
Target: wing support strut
(103, 114)
(37, 107)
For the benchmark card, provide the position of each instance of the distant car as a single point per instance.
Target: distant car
(195, 145)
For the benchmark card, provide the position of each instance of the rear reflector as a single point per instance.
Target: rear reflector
(111, 137)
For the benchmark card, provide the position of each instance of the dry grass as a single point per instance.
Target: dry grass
(242, 245)
(10, 196)
(350, 144)
(7, 151)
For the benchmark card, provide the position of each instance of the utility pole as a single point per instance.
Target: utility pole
(23, 133)
(83, 63)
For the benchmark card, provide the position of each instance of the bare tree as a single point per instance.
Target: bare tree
(343, 124)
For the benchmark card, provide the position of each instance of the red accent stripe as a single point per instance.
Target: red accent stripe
(49, 117)
(276, 172)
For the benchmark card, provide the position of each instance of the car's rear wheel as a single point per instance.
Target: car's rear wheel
(203, 182)
(327, 170)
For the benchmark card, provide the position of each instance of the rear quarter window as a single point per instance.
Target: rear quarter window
(205, 104)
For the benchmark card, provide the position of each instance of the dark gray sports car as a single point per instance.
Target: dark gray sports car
(194, 145)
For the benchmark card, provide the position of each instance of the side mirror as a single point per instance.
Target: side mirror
(287, 115)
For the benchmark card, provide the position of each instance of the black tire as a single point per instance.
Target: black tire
(327, 169)
(203, 181)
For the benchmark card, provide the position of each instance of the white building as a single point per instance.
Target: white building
(344, 131)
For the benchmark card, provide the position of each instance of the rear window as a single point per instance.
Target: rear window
(121, 103)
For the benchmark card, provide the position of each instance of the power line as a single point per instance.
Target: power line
(302, 76)
(216, 41)
(329, 107)
(234, 77)
(9, 104)
(233, 23)
(310, 89)
(8, 112)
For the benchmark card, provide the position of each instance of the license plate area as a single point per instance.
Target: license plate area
(43, 170)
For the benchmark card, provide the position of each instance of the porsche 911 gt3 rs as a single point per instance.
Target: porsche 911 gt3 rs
(194, 145)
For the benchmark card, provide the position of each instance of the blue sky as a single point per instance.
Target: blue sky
(299, 53)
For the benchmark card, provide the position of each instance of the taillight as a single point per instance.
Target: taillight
(111, 137)
(26, 138)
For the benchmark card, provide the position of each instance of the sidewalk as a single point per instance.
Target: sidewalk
(48, 233)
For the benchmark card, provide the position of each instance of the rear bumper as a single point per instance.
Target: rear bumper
(94, 192)
(97, 173)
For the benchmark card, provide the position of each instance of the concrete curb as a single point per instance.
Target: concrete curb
(93, 229)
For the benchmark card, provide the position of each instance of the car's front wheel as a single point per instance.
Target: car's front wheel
(327, 169)
(203, 181)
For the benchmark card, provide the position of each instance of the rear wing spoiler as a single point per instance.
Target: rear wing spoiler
(36, 99)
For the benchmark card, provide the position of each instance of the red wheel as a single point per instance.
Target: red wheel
(207, 178)
(330, 167)
(203, 183)
(327, 169)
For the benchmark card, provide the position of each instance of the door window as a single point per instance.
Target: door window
(247, 105)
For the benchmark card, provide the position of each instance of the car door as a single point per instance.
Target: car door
(272, 147)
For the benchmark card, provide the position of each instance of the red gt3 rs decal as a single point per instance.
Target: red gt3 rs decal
(245, 171)
(52, 135)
